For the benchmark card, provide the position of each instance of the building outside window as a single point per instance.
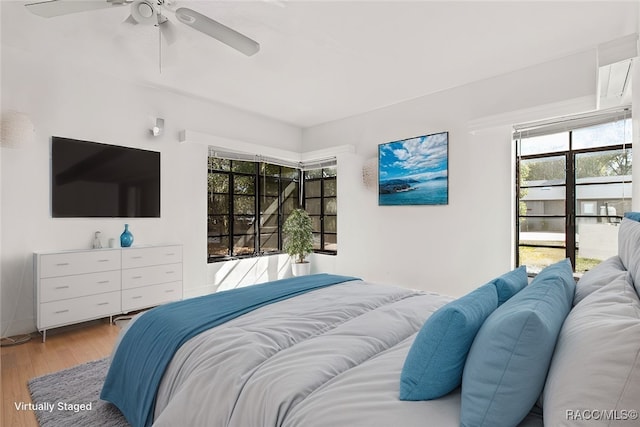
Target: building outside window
(248, 202)
(573, 182)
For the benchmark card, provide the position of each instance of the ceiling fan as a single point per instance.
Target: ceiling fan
(150, 12)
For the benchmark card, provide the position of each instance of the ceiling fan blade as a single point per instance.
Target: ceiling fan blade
(218, 31)
(53, 8)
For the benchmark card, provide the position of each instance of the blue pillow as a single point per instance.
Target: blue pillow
(434, 364)
(508, 361)
(635, 216)
(511, 283)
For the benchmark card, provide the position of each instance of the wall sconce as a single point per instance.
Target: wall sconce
(15, 129)
(158, 128)
(370, 173)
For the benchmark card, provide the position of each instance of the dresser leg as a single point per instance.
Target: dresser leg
(44, 335)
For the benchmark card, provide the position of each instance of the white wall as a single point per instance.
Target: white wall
(449, 249)
(75, 103)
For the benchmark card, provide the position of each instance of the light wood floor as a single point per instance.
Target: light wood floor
(63, 349)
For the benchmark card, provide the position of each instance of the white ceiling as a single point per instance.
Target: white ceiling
(325, 60)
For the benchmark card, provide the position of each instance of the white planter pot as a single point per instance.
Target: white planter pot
(301, 268)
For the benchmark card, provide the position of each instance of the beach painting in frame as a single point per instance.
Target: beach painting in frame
(414, 171)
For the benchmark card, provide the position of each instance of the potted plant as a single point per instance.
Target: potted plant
(298, 241)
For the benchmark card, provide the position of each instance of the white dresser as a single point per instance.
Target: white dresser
(76, 286)
(151, 276)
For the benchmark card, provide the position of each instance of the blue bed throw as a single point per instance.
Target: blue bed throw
(150, 343)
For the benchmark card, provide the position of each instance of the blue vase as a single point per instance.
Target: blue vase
(126, 238)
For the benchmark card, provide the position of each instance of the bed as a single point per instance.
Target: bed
(329, 350)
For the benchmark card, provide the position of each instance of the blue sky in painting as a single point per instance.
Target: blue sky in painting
(422, 158)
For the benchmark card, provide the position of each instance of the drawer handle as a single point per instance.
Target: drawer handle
(136, 277)
(137, 297)
(168, 291)
(103, 303)
(170, 272)
(137, 257)
(62, 311)
(62, 287)
(103, 260)
(170, 254)
(102, 282)
(62, 264)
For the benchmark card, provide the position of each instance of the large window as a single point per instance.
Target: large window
(574, 185)
(249, 201)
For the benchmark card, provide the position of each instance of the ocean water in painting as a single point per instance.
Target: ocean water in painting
(433, 192)
(414, 171)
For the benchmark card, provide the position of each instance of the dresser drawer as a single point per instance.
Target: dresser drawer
(79, 285)
(157, 255)
(145, 276)
(68, 263)
(58, 313)
(149, 296)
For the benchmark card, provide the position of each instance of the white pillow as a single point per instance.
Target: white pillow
(595, 369)
(629, 249)
(605, 272)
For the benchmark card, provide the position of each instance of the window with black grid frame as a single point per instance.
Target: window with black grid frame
(248, 202)
(321, 202)
(573, 185)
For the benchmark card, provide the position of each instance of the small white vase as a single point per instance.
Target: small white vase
(301, 268)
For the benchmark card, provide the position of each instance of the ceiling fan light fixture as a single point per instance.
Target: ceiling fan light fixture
(144, 12)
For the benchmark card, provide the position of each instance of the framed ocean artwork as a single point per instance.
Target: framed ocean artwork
(414, 171)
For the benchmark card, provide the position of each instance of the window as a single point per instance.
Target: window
(320, 200)
(249, 201)
(574, 185)
(279, 192)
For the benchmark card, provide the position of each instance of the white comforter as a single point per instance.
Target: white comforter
(331, 357)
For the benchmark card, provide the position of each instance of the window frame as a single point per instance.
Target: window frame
(281, 214)
(322, 198)
(257, 235)
(571, 185)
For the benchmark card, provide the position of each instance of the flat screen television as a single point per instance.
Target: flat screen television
(93, 180)
(414, 171)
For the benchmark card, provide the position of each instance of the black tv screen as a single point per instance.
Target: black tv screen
(93, 180)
